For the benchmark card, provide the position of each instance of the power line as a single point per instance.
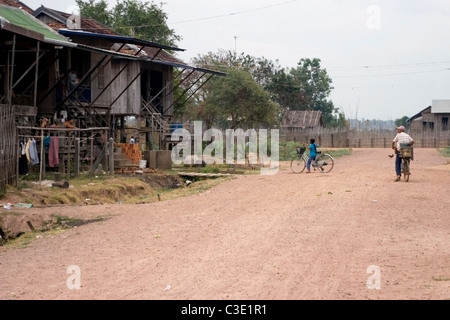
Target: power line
(393, 66)
(236, 13)
(390, 74)
(219, 16)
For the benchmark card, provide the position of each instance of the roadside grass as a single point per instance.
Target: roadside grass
(441, 279)
(58, 224)
(83, 190)
(288, 150)
(445, 152)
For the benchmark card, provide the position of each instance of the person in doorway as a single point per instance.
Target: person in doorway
(401, 138)
(132, 140)
(45, 122)
(312, 154)
(69, 123)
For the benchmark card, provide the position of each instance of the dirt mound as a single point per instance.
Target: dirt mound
(16, 219)
(164, 181)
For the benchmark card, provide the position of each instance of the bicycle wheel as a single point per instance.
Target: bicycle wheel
(298, 164)
(324, 163)
(405, 170)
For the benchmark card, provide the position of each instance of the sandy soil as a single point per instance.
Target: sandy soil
(284, 237)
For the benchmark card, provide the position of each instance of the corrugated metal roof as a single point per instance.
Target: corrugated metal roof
(116, 38)
(302, 119)
(183, 66)
(440, 106)
(90, 28)
(20, 18)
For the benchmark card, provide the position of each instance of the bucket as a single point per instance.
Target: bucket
(142, 164)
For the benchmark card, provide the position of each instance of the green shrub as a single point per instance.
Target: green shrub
(445, 152)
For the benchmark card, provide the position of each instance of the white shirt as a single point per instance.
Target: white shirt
(402, 137)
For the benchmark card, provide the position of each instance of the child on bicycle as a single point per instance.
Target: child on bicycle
(312, 154)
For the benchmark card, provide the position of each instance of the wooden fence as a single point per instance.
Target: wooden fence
(355, 139)
(8, 148)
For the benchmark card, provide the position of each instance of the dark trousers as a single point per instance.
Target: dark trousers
(398, 164)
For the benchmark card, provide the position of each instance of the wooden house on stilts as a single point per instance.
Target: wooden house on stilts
(58, 66)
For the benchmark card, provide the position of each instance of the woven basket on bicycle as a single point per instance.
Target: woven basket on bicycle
(301, 150)
(406, 151)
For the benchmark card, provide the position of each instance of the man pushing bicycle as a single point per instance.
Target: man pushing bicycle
(401, 138)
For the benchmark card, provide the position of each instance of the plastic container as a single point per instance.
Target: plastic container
(142, 164)
(175, 126)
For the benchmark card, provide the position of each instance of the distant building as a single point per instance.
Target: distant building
(432, 119)
(298, 121)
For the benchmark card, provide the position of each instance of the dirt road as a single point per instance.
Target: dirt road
(287, 236)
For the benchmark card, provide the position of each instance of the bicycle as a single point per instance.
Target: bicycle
(324, 162)
(406, 153)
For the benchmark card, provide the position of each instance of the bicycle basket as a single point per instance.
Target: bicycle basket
(406, 153)
(405, 145)
(301, 150)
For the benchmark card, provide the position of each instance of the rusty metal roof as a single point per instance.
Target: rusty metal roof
(16, 4)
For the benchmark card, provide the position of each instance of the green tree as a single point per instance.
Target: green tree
(306, 87)
(141, 20)
(402, 122)
(236, 100)
(97, 11)
(312, 86)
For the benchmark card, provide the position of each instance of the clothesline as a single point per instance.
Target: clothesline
(38, 137)
(64, 129)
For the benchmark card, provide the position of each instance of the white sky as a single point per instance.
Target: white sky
(387, 58)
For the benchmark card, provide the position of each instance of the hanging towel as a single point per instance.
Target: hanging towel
(53, 152)
(23, 162)
(46, 142)
(27, 150)
(34, 157)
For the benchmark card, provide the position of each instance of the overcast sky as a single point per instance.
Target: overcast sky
(387, 59)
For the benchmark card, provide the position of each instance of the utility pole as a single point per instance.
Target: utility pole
(235, 44)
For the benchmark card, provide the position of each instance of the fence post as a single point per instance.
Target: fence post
(111, 156)
(77, 157)
(332, 140)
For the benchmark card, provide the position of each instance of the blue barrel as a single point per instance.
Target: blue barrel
(175, 126)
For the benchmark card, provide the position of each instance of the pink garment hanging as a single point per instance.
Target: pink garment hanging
(53, 152)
